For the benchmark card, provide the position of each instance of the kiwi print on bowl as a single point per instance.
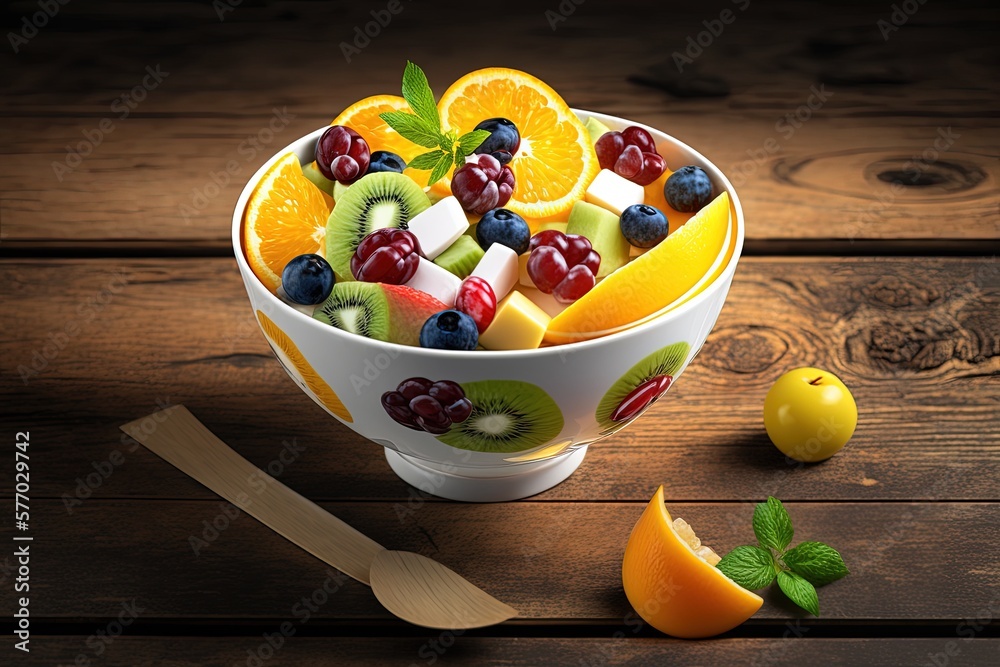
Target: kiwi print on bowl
(641, 385)
(384, 199)
(507, 416)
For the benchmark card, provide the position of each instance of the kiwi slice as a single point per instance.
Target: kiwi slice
(382, 199)
(461, 256)
(507, 416)
(665, 361)
(360, 308)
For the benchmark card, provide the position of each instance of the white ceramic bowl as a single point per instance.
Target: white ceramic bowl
(576, 377)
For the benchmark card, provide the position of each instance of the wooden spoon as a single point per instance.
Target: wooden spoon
(413, 587)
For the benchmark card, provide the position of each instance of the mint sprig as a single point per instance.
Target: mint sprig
(799, 590)
(816, 562)
(798, 571)
(423, 127)
(772, 525)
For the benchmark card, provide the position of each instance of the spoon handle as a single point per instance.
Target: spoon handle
(180, 439)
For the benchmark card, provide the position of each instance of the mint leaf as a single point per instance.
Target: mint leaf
(470, 141)
(412, 127)
(417, 93)
(440, 169)
(426, 160)
(799, 591)
(771, 525)
(816, 562)
(749, 566)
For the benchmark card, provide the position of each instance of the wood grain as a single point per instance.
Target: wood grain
(512, 652)
(915, 339)
(550, 561)
(811, 190)
(845, 173)
(185, 443)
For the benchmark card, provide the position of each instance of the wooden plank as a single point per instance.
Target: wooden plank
(550, 561)
(818, 181)
(129, 651)
(174, 181)
(247, 60)
(915, 339)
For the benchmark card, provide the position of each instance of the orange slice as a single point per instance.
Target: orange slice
(362, 117)
(650, 282)
(671, 580)
(556, 160)
(285, 217)
(307, 375)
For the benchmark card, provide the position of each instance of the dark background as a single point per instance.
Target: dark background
(873, 221)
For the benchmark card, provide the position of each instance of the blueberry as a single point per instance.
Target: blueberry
(449, 330)
(688, 189)
(644, 226)
(503, 227)
(307, 280)
(503, 136)
(503, 157)
(385, 161)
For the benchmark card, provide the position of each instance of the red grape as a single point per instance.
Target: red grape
(653, 167)
(482, 184)
(477, 300)
(547, 268)
(397, 407)
(414, 387)
(609, 146)
(640, 397)
(562, 264)
(631, 154)
(446, 391)
(388, 255)
(428, 406)
(425, 406)
(577, 282)
(342, 154)
(640, 138)
(459, 411)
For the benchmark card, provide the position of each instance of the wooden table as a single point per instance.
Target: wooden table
(120, 295)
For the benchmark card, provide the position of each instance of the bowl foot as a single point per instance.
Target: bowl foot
(525, 479)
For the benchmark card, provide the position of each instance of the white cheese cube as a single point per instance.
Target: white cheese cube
(439, 226)
(499, 268)
(611, 191)
(439, 283)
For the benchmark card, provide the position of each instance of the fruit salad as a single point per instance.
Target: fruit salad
(491, 219)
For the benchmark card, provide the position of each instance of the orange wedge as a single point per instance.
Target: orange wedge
(307, 375)
(556, 160)
(285, 217)
(671, 580)
(650, 282)
(362, 117)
